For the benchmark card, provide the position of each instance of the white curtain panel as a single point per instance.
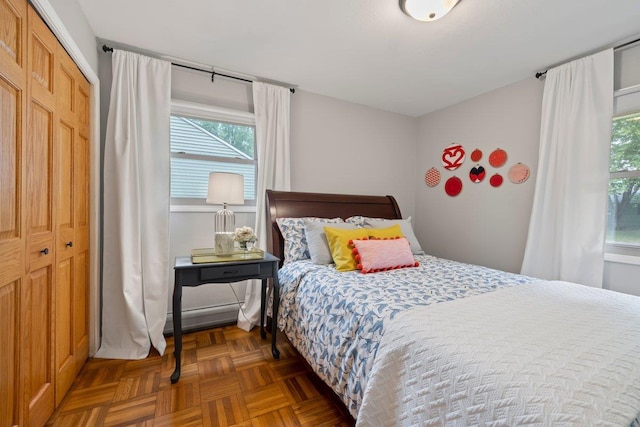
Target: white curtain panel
(136, 208)
(568, 219)
(271, 106)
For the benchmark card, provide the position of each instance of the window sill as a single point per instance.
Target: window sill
(210, 208)
(622, 259)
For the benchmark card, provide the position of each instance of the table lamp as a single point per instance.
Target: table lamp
(225, 188)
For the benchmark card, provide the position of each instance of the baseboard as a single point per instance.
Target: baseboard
(207, 317)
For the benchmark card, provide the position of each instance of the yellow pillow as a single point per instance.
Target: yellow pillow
(341, 252)
(386, 233)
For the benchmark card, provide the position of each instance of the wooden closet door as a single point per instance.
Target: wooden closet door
(71, 219)
(65, 225)
(38, 290)
(13, 21)
(82, 234)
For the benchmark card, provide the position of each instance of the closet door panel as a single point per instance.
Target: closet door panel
(13, 19)
(13, 36)
(39, 197)
(65, 360)
(65, 363)
(65, 185)
(39, 390)
(81, 246)
(12, 119)
(65, 367)
(9, 356)
(11, 131)
(37, 302)
(81, 309)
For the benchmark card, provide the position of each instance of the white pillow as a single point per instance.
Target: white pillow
(405, 225)
(317, 243)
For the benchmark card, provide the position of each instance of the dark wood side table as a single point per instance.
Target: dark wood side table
(190, 274)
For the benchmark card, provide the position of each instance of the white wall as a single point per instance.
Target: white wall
(341, 147)
(482, 225)
(77, 25)
(485, 225)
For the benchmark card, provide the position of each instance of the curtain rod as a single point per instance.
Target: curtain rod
(106, 48)
(629, 43)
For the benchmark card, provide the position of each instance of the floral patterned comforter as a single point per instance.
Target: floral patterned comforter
(336, 319)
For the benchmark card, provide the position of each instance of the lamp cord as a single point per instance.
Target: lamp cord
(238, 301)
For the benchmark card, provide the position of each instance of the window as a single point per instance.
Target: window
(623, 222)
(205, 139)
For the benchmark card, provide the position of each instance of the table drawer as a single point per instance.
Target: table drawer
(231, 272)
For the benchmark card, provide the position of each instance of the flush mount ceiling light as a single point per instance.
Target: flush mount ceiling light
(427, 10)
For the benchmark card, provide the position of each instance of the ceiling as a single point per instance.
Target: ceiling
(368, 51)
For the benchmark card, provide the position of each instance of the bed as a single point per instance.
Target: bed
(447, 343)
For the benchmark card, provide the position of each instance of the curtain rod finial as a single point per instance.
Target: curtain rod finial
(540, 74)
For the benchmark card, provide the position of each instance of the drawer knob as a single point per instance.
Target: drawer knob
(45, 251)
(69, 244)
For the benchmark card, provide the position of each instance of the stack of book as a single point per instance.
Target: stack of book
(208, 255)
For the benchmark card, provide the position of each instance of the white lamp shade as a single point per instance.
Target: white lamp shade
(226, 187)
(427, 10)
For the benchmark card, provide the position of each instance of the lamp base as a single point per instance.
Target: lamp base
(225, 222)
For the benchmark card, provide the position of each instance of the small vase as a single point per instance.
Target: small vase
(244, 247)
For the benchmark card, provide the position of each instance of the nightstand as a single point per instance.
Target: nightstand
(190, 274)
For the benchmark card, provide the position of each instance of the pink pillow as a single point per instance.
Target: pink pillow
(375, 255)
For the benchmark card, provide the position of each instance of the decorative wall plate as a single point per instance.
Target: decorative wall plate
(519, 173)
(453, 157)
(496, 180)
(477, 174)
(453, 186)
(432, 177)
(498, 158)
(476, 155)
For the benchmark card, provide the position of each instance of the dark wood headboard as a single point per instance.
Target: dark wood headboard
(288, 204)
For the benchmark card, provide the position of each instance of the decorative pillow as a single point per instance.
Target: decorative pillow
(405, 225)
(295, 242)
(358, 220)
(317, 239)
(392, 232)
(339, 241)
(381, 255)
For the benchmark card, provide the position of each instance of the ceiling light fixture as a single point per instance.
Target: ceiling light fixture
(427, 10)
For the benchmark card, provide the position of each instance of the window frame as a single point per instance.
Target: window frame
(626, 102)
(195, 110)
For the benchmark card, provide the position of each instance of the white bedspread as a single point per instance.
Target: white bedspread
(549, 353)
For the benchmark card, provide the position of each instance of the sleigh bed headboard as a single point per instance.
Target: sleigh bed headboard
(288, 204)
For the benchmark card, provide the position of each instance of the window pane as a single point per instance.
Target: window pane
(211, 138)
(206, 143)
(190, 178)
(623, 224)
(625, 144)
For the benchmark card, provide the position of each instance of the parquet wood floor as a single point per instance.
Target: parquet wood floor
(229, 378)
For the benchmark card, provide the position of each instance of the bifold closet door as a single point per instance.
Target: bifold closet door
(71, 219)
(44, 218)
(37, 302)
(13, 21)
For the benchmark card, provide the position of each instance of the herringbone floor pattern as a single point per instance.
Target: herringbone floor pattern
(229, 378)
